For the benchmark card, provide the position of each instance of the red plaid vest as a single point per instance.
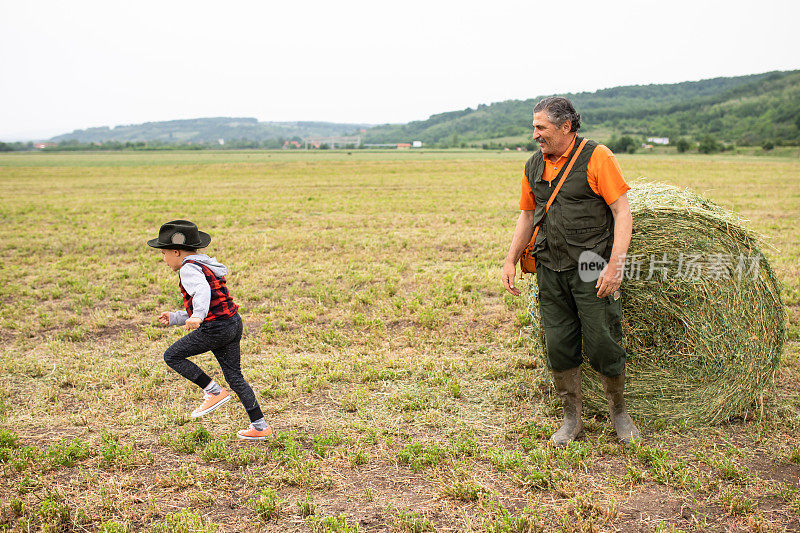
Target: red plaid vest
(221, 304)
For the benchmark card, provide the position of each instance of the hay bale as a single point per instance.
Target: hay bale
(699, 350)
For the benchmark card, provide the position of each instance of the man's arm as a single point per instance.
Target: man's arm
(611, 277)
(522, 236)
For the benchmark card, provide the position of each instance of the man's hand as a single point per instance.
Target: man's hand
(610, 278)
(193, 323)
(164, 318)
(509, 275)
(523, 232)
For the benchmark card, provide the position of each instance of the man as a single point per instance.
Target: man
(590, 213)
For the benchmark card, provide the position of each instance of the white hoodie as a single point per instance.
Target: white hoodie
(194, 282)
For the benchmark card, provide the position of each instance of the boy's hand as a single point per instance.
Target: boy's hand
(193, 323)
(164, 318)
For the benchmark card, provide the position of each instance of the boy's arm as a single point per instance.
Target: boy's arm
(178, 318)
(194, 282)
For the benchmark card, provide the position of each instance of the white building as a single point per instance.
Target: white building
(658, 140)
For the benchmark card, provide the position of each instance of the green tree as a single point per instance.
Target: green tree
(624, 144)
(708, 145)
(682, 145)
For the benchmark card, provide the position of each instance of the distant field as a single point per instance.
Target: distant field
(217, 157)
(398, 377)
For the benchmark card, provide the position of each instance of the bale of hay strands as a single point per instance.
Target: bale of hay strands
(703, 320)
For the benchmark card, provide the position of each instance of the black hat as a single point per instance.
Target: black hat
(180, 235)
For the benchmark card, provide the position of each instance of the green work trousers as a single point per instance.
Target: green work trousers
(576, 323)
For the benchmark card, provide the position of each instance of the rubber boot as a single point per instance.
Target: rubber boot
(568, 386)
(627, 432)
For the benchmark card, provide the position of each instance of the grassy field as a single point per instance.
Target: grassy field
(399, 379)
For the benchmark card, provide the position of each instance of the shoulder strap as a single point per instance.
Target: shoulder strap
(564, 173)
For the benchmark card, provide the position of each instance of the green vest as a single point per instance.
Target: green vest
(579, 218)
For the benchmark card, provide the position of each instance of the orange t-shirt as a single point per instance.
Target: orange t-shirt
(602, 172)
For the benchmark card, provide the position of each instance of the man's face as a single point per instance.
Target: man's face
(553, 140)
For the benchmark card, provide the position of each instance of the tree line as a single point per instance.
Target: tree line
(746, 110)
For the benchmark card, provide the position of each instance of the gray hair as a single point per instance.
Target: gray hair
(559, 110)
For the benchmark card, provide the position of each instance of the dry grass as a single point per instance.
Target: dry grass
(402, 388)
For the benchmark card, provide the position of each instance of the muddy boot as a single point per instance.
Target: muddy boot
(627, 432)
(568, 386)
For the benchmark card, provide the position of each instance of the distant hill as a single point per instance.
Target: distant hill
(748, 110)
(209, 130)
(744, 110)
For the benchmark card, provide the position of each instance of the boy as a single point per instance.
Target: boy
(212, 320)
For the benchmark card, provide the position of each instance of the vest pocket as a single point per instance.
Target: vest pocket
(587, 237)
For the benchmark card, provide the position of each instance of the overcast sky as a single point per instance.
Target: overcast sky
(77, 64)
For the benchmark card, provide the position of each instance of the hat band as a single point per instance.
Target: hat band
(181, 244)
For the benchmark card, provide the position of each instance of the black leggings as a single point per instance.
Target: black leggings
(222, 338)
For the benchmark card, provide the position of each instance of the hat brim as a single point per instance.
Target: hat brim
(205, 240)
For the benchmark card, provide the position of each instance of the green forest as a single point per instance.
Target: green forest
(745, 110)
